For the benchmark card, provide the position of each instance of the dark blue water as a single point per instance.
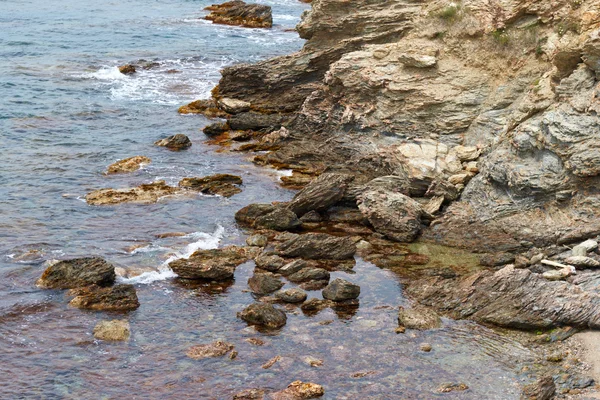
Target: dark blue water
(66, 113)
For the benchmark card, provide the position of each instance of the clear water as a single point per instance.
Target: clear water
(65, 115)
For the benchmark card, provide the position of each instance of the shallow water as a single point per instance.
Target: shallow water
(66, 113)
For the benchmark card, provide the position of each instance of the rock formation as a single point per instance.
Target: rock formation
(237, 12)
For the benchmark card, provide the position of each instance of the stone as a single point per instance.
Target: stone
(543, 389)
(452, 387)
(417, 60)
(77, 272)
(309, 274)
(220, 184)
(311, 216)
(128, 165)
(207, 108)
(250, 394)
(248, 215)
(257, 240)
(341, 290)
(585, 247)
(582, 262)
(145, 193)
(280, 219)
(264, 283)
(176, 142)
(426, 347)
(460, 179)
(292, 267)
(299, 390)
(557, 274)
(233, 106)
(127, 69)
(314, 246)
(264, 315)
(394, 215)
(314, 304)
(210, 350)
(216, 129)
(467, 153)
(239, 13)
(320, 194)
(115, 330)
(214, 264)
(113, 298)
(292, 295)
(418, 317)
(269, 262)
(442, 188)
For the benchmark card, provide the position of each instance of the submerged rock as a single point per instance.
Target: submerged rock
(220, 184)
(320, 194)
(264, 283)
(128, 165)
(299, 390)
(264, 315)
(215, 264)
(418, 317)
(292, 295)
(146, 193)
(239, 13)
(215, 349)
(77, 272)
(250, 394)
(341, 290)
(114, 298)
(115, 330)
(175, 142)
(314, 246)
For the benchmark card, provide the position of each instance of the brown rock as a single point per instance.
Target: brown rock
(175, 142)
(128, 165)
(114, 298)
(264, 283)
(320, 194)
(216, 264)
(127, 69)
(249, 214)
(264, 315)
(309, 274)
(418, 317)
(341, 290)
(292, 295)
(299, 390)
(215, 349)
(146, 193)
(78, 272)
(207, 108)
(239, 13)
(250, 394)
(314, 246)
(115, 330)
(280, 219)
(219, 184)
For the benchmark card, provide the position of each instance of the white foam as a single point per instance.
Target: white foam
(107, 74)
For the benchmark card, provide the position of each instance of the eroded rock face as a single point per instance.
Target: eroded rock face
(128, 165)
(239, 13)
(115, 330)
(114, 298)
(225, 185)
(146, 193)
(314, 246)
(78, 272)
(176, 142)
(216, 264)
(263, 314)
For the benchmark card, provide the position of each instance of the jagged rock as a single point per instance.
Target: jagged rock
(320, 194)
(264, 315)
(127, 69)
(175, 142)
(417, 60)
(219, 184)
(442, 188)
(269, 262)
(257, 240)
(314, 246)
(281, 219)
(264, 283)
(239, 13)
(249, 214)
(206, 107)
(582, 262)
(309, 274)
(115, 330)
(77, 272)
(146, 193)
(341, 290)
(299, 390)
(293, 295)
(210, 350)
(128, 165)
(114, 298)
(292, 267)
(233, 106)
(418, 317)
(392, 214)
(216, 128)
(514, 298)
(216, 264)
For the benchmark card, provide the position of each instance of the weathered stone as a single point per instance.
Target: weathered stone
(233, 106)
(216, 264)
(417, 60)
(341, 290)
(128, 165)
(582, 262)
(320, 194)
(257, 240)
(316, 305)
(220, 184)
(264, 283)
(216, 129)
(299, 390)
(239, 13)
(467, 153)
(215, 349)
(418, 317)
(264, 315)
(127, 69)
(77, 272)
(426, 347)
(175, 142)
(207, 108)
(293, 295)
(314, 246)
(115, 330)
(250, 394)
(309, 274)
(114, 298)
(249, 214)
(292, 267)
(281, 219)
(146, 193)
(311, 216)
(269, 262)
(583, 248)
(557, 274)
(543, 389)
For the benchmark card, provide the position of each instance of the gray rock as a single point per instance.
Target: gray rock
(269, 262)
(249, 214)
(583, 248)
(309, 274)
(340, 290)
(114, 298)
(543, 389)
(314, 246)
(418, 317)
(293, 295)
(264, 283)
(215, 264)
(175, 142)
(311, 216)
(280, 219)
(582, 262)
(320, 194)
(78, 272)
(292, 267)
(216, 129)
(233, 106)
(264, 315)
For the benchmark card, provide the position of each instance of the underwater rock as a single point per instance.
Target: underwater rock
(215, 349)
(250, 394)
(77, 272)
(299, 390)
(418, 317)
(115, 330)
(128, 165)
(264, 283)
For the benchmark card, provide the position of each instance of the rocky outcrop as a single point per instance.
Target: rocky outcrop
(217, 264)
(176, 142)
(225, 185)
(77, 272)
(237, 12)
(114, 298)
(146, 193)
(115, 330)
(128, 165)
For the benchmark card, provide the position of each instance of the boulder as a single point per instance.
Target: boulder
(320, 194)
(215, 264)
(210, 350)
(114, 298)
(280, 219)
(220, 184)
(257, 240)
(269, 262)
(249, 214)
(239, 13)
(216, 129)
(127, 69)
(77, 272)
(309, 274)
(264, 283)
(418, 317)
(292, 295)
(233, 106)
(392, 214)
(115, 330)
(145, 193)
(264, 315)
(341, 290)
(299, 390)
(175, 142)
(128, 165)
(314, 246)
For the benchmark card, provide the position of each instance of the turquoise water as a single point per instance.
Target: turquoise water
(66, 113)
